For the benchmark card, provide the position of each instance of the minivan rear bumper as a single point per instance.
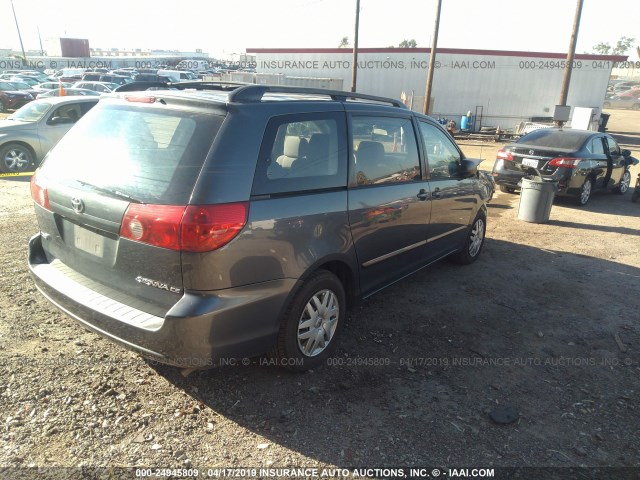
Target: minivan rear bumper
(203, 329)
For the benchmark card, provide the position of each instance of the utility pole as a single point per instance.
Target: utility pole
(354, 69)
(40, 38)
(24, 55)
(432, 59)
(572, 51)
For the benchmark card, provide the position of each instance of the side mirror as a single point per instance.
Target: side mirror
(468, 167)
(626, 153)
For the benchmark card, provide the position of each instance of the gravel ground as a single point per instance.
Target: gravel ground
(538, 324)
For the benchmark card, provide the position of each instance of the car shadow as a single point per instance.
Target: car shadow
(605, 203)
(407, 386)
(599, 228)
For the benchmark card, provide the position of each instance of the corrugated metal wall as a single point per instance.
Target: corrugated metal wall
(509, 88)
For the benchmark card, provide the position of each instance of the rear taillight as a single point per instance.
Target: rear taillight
(206, 228)
(564, 162)
(39, 191)
(505, 155)
(190, 228)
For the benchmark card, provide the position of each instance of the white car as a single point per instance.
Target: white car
(33, 130)
(101, 87)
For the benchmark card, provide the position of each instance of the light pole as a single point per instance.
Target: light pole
(24, 56)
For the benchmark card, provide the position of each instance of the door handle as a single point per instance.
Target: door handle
(423, 194)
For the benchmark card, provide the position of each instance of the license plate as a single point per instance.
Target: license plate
(530, 162)
(88, 241)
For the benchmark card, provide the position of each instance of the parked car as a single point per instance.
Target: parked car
(11, 97)
(21, 79)
(23, 87)
(70, 92)
(619, 101)
(633, 92)
(582, 161)
(46, 86)
(100, 87)
(178, 75)
(117, 79)
(28, 134)
(198, 226)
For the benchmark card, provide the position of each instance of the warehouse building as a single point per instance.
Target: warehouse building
(500, 88)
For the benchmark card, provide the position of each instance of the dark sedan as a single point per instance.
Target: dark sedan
(11, 97)
(581, 161)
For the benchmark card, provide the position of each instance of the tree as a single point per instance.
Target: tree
(624, 44)
(344, 42)
(408, 44)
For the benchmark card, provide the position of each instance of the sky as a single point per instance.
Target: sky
(226, 27)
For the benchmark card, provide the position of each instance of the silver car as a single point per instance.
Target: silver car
(28, 134)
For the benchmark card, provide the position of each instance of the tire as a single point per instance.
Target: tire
(15, 158)
(474, 242)
(505, 189)
(585, 193)
(625, 181)
(319, 307)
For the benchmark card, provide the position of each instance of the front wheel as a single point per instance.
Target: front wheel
(15, 158)
(474, 242)
(625, 181)
(311, 324)
(585, 193)
(505, 189)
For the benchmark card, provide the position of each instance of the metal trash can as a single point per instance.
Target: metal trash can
(536, 197)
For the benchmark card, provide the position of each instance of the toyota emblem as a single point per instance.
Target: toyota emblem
(77, 204)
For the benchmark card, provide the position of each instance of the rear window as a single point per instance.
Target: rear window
(152, 154)
(561, 139)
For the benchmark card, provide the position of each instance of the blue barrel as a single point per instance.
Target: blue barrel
(466, 123)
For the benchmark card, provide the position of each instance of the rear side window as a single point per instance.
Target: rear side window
(385, 150)
(302, 152)
(151, 154)
(596, 146)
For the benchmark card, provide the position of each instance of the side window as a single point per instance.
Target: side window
(71, 113)
(302, 152)
(596, 146)
(442, 155)
(614, 149)
(86, 106)
(385, 150)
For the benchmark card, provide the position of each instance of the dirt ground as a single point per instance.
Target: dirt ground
(546, 322)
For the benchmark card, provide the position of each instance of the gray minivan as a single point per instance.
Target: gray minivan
(198, 226)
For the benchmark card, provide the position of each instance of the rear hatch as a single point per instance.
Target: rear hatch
(111, 195)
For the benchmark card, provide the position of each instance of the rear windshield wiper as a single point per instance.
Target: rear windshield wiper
(110, 191)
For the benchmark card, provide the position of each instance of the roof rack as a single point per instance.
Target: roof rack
(254, 93)
(199, 85)
(250, 93)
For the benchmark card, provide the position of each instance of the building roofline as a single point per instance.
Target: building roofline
(460, 51)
